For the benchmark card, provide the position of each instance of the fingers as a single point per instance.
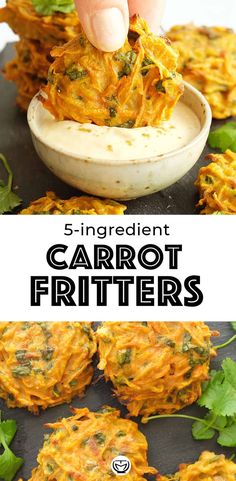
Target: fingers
(150, 10)
(105, 22)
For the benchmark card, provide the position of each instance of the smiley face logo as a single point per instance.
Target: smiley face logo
(121, 465)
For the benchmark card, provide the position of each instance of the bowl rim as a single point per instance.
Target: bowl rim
(153, 159)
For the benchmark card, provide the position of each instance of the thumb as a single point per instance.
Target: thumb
(105, 22)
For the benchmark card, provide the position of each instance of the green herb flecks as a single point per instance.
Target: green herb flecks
(49, 7)
(75, 73)
(100, 438)
(20, 355)
(9, 463)
(120, 434)
(112, 112)
(87, 331)
(160, 87)
(128, 60)
(47, 353)
(186, 346)
(124, 357)
(209, 179)
(8, 199)
(146, 63)
(73, 383)
(21, 371)
(82, 41)
(46, 331)
(224, 137)
(127, 125)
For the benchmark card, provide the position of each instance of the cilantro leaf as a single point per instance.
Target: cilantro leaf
(8, 200)
(9, 429)
(229, 368)
(49, 7)
(233, 325)
(219, 397)
(9, 465)
(224, 137)
(200, 431)
(221, 400)
(227, 436)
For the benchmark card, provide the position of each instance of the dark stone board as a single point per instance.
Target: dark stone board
(33, 179)
(170, 441)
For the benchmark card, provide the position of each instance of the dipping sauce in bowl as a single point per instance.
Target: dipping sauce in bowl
(122, 163)
(114, 143)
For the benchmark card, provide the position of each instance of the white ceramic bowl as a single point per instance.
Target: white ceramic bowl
(127, 179)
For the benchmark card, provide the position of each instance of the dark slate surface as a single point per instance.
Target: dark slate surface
(33, 179)
(170, 441)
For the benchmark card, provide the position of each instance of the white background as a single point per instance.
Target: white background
(202, 12)
(208, 251)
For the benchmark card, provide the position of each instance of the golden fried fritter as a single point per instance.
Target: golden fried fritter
(44, 364)
(155, 367)
(27, 23)
(207, 60)
(84, 445)
(51, 204)
(28, 85)
(209, 467)
(33, 58)
(39, 34)
(133, 87)
(217, 184)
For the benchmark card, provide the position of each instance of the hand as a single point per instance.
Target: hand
(106, 22)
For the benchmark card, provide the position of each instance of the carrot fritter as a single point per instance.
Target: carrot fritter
(207, 60)
(51, 204)
(209, 467)
(38, 35)
(217, 184)
(44, 364)
(84, 445)
(136, 86)
(27, 23)
(27, 85)
(33, 57)
(155, 367)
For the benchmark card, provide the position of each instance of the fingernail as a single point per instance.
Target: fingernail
(109, 29)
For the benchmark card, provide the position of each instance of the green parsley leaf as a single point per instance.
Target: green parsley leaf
(224, 137)
(9, 463)
(8, 200)
(233, 325)
(49, 7)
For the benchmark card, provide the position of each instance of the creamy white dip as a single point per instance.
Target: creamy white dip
(112, 143)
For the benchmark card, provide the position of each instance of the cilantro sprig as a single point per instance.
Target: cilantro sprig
(8, 199)
(9, 463)
(49, 7)
(224, 137)
(219, 398)
(229, 341)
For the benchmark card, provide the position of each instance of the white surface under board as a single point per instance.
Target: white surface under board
(202, 12)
